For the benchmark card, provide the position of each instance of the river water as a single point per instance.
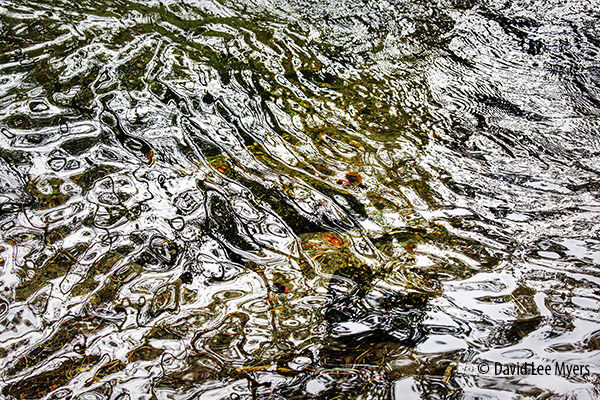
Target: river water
(207, 199)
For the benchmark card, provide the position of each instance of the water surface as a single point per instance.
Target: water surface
(288, 200)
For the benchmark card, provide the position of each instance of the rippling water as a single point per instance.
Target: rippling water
(284, 200)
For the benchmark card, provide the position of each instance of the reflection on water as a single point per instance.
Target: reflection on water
(276, 200)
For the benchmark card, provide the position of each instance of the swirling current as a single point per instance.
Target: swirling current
(346, 199)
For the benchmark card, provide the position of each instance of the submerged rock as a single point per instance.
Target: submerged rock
(362, 306)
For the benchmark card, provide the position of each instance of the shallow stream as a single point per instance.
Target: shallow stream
(346, 199)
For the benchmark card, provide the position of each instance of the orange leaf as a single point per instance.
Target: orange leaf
(354, 178)
(150, 156)
(333, 239)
